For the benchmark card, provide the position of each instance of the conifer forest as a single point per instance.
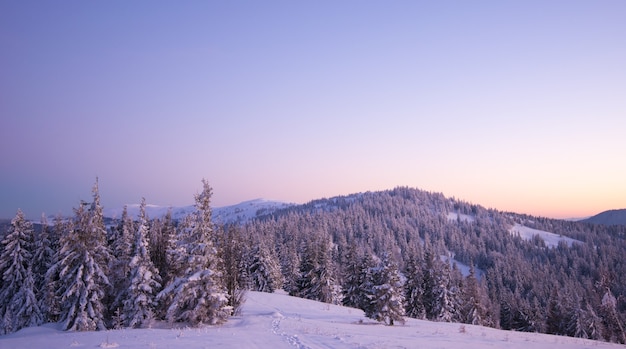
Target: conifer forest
(394, 254)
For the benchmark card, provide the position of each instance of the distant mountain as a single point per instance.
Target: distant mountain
(610, 217)
(239, 213)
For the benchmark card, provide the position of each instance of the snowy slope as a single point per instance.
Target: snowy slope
(281, 321)
(241, 212)
(454, 216)
(551, 239)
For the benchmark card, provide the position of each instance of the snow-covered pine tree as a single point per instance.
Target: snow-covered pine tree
(431, 269)
(50, 302)
(232, 246)
(317, 279)
(18, 306)
(289, 266)
(199, 295)
(614, 330)
(366, 278)
(556, 319)
(264, 269)
(446, 302)
(122, 248)
(140, 301)
(473, 310)
(414, 286)
(82, 266)
(352, 292)
(161, 239)
(42, 256)
(387, 297)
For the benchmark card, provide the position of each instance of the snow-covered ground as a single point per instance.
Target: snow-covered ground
(551, 239)
(281, 321)
(454, 216)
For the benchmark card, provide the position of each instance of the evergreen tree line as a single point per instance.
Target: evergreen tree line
(393, 254)
(398, 250)
(87, 277)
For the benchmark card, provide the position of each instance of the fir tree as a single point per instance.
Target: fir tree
(614, 330)
(317, 280)
(140, 302)
(264, 270)
(43, 257)
(386, 298)
(122, 248)
(18, 306)
(473, 310)
(50, 302)
(199, 295)
(352, 292)
(414, 287)
(82, 269)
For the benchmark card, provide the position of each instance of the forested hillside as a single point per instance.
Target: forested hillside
(574, 288)
(394, 254)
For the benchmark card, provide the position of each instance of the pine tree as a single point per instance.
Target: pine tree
(42, 257)
(446, 302)
(199, 295)
(264, 270)
(317, 279)
(50, 302)
(414, 287)
(474, 311)
(83, 260)
(18, 306)
(122, 248)
(556, 320)
(232, 246)
(140, 302)
(386, 298)
(614, 330)
(352, 292)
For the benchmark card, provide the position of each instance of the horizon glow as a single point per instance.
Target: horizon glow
(512, 106)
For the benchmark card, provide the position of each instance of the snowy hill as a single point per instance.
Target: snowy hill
(611, 217)
(280, 321)
(238, 213)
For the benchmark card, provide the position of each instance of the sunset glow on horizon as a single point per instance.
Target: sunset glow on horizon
(517, 106)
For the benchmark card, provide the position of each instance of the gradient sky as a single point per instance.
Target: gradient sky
(514, 105)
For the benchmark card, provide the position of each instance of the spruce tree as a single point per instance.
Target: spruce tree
(473, 310)
(264, 270)
(83, 259)
(50, 302)
(18, 306)
(199, 295)
(352, 292)
(43, 256)
(122, 249)
(387, 297)
(414, 286)
(140, 302)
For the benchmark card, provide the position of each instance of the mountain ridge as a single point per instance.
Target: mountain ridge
(609, 217)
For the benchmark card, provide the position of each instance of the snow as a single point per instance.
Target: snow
(454, 216)
(280, 321)
(551, 239)
(463, 268)
(241, 212)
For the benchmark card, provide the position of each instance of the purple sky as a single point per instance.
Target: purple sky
(517, 105)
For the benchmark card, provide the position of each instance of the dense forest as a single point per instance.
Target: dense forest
(394, 254)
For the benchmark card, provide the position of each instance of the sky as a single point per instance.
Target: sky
(513, 105)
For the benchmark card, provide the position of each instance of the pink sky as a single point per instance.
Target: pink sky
(517, 106)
